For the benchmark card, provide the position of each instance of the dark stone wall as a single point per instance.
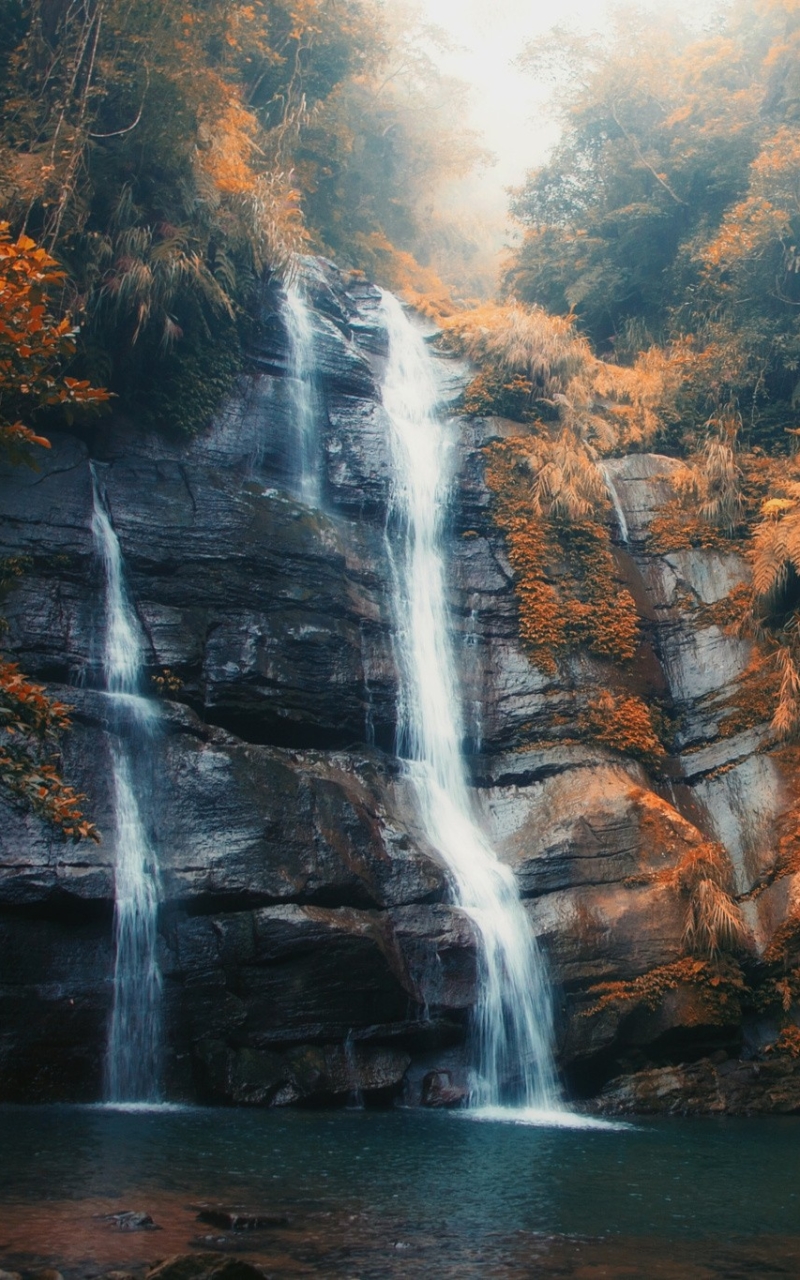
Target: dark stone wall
(307, 942)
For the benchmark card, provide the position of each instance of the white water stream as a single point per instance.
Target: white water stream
(133, 1057)
(513, 1018)
(298, 320)
(611, 488)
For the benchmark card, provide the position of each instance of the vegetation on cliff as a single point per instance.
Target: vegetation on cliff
(172, 154)
(34, 344)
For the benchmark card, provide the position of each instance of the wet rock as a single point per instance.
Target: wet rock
(204, 1266)
(358, 456)
(238, 1220)
(727, 1087)
(303, 906)
(335, 1072)
(259, 1077)
(439, 1090)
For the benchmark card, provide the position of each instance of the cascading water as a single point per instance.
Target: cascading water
(513, 1017)
(622, 523)
(303, 389)
(133, 1058)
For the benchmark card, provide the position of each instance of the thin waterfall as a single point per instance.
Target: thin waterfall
(622, 523)
(133, 1057)
(298, 321)
(513, 1017)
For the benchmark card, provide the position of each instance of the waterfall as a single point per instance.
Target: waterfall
(133, 1066)
(622, 523)
(513, 1018)
(303, 389)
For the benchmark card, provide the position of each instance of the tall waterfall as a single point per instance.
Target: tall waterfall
(303, 389)
(133, 1058)
(513, 1018)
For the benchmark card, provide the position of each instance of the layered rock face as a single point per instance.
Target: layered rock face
(307, 944)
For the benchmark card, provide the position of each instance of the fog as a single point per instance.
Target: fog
(509, 109)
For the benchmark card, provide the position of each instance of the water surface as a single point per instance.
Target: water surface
(395, 1194)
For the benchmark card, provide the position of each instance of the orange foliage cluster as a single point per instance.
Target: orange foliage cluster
(788, 1042)
(755, 697)
(604, 405)
(721, 982)
(569, 595)
(705, 861)
(399, 270)
(167, 682)
(503, 395)
(649, 988)
(730, 613)
(764, 217)
(605, 620)
(33, 344)
(29, 724)
(623, 723)
(676, 529)
(785, 940)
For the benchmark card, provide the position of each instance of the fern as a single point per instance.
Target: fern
(711, 485)
(722, 499)
(776, 542)
(567, 482)
(704, 862)
(602, 404)
(769, 559)
(786, 720)
(714, 923)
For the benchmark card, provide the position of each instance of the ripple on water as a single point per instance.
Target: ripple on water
(543, 1118)
(402, 1195)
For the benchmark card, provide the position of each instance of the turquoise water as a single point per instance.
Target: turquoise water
(393, 1193)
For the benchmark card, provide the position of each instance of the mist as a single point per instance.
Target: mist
(509, 108)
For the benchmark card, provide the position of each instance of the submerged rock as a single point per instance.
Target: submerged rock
(205, 1266)
(130, 1220)
(237, 1220)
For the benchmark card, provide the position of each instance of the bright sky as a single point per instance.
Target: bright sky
(489, 35)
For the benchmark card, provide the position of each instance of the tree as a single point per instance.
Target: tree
(175, 152)
(33, 345)
(667, 212)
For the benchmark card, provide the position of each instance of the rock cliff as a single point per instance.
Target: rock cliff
(308, 948)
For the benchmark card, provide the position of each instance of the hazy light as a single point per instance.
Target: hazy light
(508, 105)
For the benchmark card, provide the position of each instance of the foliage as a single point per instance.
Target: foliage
(714, 923)
(174, 153)
(788, 1042)
(675, 528)
(625, 724)
(721, 983)
(565, 578)
(376, 156)
(604, 406)
(33, 345)
(668, 211)
(30, 722)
